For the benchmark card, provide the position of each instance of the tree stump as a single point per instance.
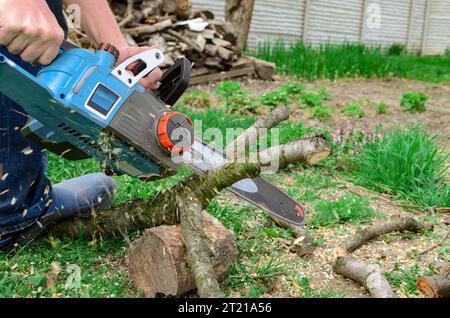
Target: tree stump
(158, 260)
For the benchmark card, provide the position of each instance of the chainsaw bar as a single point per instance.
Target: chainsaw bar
(258, 191)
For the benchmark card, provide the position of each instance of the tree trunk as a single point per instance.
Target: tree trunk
(239, 13)
(158, 261)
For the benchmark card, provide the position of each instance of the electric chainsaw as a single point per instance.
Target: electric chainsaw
(84, 106)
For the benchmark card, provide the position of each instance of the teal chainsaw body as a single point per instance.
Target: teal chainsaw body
(83, 105)
(81, 101)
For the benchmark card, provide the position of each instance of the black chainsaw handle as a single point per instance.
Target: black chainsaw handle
(175, 81)
(66, 45)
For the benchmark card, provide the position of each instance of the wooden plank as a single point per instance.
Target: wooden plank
(222, 75)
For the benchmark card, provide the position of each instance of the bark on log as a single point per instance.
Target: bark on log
(198, 254)
(162, 209)
(364, 235)
(251, 135)
(437, 286)
(239, 13)
(158, 260)
(370, 276)
(311, 149)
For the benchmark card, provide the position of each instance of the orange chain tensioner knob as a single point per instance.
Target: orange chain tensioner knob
(175, 132)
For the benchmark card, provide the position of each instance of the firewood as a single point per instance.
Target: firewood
(370, 276)
(264, 69)
(152, 22)
(221, 76)
(437, 286)
(199, 71)
(201, 42)
(181, 8)
(222, 43)
(151, 8)
(210, 49)
(158, 260)
(204, 14)
(129, 15)
(208, 34)
(149, 29)
(228, 32)
(185, 39)
(213, 62)
(224, 54)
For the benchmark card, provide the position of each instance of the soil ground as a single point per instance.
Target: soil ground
(389, 91)
(391, 251)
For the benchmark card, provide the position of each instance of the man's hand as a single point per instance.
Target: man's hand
(28, 28)
(151, 81)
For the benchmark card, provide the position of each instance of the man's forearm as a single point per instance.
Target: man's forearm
(99, 22)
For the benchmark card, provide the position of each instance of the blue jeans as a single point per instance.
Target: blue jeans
(25, 191)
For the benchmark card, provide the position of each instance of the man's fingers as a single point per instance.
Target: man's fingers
(150, 81)
(19, 44)
(33, 52)
(6, 36)
(49, 55)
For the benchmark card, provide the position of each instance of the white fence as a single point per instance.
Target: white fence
(420, 25)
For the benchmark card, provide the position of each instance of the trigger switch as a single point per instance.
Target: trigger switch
(110, 49)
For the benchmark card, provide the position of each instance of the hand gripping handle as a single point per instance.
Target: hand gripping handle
(151, 58)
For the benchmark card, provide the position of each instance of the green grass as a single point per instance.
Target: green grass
(353, 110)
(321, 112)
(381, 108)
(257, 278)
(352, 60)
(405, 279)
(197, 99)
(406, 163)
(27, 273)
(414, 102)
(274, 99)
(349, 208)
(307, 292)
(234, 99)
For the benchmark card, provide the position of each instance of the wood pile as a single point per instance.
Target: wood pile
(209, 43)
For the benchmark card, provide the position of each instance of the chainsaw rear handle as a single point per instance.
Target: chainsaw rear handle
(174, 82)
